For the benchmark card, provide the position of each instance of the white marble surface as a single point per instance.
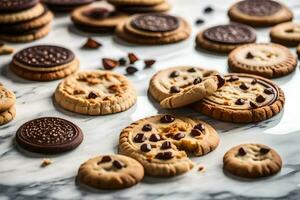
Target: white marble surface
(22, 178)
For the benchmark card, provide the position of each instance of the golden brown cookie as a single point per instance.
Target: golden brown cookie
(287, 34)
(263, 59)
(7, 115)
(252, 161)
(96, 93)
(7, 99)
(260, 12)
(110, 172)
(160, 143)
(244, 98)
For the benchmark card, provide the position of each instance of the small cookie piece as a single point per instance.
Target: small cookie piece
(287, 34)
(135, 2)
(96, 93)
(7, 99)
(66, 5)
(7, 115)
(49, 135)
(180, 86)
(5, 50)
(13, 6)
(44, 63)
(153, 28)
(263, 59)
(160, 143)
(110, 172)
(259, 12)
(225, 38)
(244, 98)
(162, 7)
(252, 161)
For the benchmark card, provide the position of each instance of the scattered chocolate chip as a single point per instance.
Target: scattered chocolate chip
(253, 105)
(154, 137)
(146, 147)
(149, 63)
(208, 9)
(179, 136)
(195, 132)
(147, 127)
(105, 159)
(254, 81)
(191, 70)
(197, 81)
(268, 91)
(174, 74)
(233, 78)
(260, 99)
(244, 86)
(139, 138)
(92, 95)
(167, 119)
(200, 127)
(118, 164)
(166, 145)
(264, 150)
(221, 81)
(174, 89)
(131, 70)
(109, 64)
(91, 44)
(242, 151)
(164, 155)
(240, 102)
(122, 61)
(132, 58)
(249, 55)
(199, 21)
(200, 168)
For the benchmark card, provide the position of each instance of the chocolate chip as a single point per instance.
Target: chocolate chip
(109, 64)
(174, 89)
(268, 91)
(149, 63)
(154, 137)
(146, 147)
(164, 155)
(132, 58)
(191, 70)
(208, 9)
(242, 151)
(200, 127)
(131, 70)
(167, 119)
(264, 150)
(240, 102)
(174, 74)
(197, 81)
(244, 86)
(254, 81)
(199, 21)
(122, 61)
(118, 164)
(105, 159)
(92, 95)
(195, 132)
(221, 81)
(139, 138)
(91, 44)
(260, 99)
(253, 105)
(233, 78)
(179, 136)
(249, 55)
(166, 145)
(147, 127)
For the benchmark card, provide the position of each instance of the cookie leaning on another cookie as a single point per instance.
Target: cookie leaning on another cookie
(287, 34)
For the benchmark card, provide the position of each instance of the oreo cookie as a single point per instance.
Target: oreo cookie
(259, 7)
(155, 22)
(49, 135)
(12, 6)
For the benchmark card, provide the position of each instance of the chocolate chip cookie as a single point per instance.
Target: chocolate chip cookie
(110, 172)
(160, 143)
(180, 86)
(7, 115)
(287, 34)
(225, 38)
(259, 12)
(96, 93)
(264, 59)
(252, 161)
(7, 98)
(244, 98)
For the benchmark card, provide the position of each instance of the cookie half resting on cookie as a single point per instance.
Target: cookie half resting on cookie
(244, 98)
(96, 93)
(44, 63)
(141, 6)
(153, 28)
(287, 34)
(66, 5)
(252, 161)
(110, 172)
(225, 38)
(260, 12)
(264, 59)
(160, 143)
(7, 105)
(180, 86)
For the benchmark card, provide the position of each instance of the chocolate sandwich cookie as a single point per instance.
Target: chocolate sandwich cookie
(44, 63)
(225, 38)
(66, 5)
(244, 98)
(260, 12)
(13, 6)
(49, 135)
(287, 34)
(135, 2)
(162, 7)
(263, 59)
(154, 28)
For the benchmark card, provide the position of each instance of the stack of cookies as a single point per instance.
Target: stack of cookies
(140, 6)
(24, 20)
(7, 105)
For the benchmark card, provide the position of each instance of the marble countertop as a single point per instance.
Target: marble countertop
(21, 176)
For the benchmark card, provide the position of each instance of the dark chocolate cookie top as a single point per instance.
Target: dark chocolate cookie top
(44, 56)
(231, 34)
(9, 6)
(67, 2)
(97, 13)
(259, 7)
(155, 22)
(49, 135)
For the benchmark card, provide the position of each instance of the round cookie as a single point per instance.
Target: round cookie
(252, 161)
(135, 2)
(7, 99)
(44, 63)
(13, 6)
(96, 93)
(225, 38)
(263, 59)
(244, 98)
(180, 86)
(259, 12)
(110, 172)
(160, 143)
(162, 7)
(7, 115)
(287, 34)
(49, 135)
(66, 5)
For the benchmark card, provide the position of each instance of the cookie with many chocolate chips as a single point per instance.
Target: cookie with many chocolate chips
(244, 98)
(287, 34)
(259, 12)
(264, 59)
(96, 93)
(44, 63)
(180, 86)
(13, 6)
(110, 172)
(49, 135)
(252, 161)
(225, 38)
(66, 5)
(160, 143)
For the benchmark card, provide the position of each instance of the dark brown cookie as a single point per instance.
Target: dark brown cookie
(259, 7)
(66, 5)
(49, 135)
(11, 6)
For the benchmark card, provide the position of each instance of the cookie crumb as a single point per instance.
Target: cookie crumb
(46, 162)
(6, 50)
(201, 168)
(132, 58)
(91, 44)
